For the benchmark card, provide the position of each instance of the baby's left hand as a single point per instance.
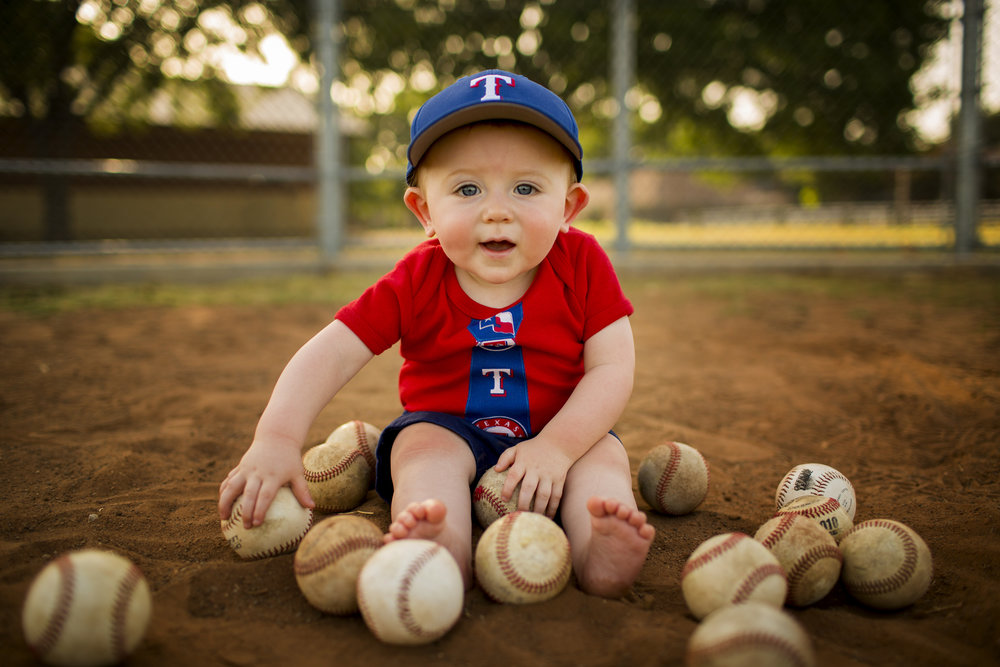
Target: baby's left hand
(541, 470)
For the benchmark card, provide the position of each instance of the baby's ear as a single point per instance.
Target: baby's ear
(417, 203)
(577, 198)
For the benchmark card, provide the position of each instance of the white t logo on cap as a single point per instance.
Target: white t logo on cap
(492, 88)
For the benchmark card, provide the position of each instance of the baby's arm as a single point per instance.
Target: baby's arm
(311, 379)
(541, 464)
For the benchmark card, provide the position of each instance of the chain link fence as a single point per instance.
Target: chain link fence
(706, 124)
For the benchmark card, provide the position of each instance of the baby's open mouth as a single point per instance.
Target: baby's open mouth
(498, 246)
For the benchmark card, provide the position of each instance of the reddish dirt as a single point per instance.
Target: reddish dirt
(119, 425)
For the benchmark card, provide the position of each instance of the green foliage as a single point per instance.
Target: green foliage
(832, 78)
(104, 60)
(837, 74)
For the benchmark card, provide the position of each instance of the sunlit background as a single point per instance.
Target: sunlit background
(750, 124)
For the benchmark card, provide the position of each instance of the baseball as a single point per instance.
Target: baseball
(487, 502)
(329, 559)
(340, 470)
(410, 592)
(87, 607)
(816, 479)
(285, 524)
(808, 553)
(673, 478)
(731, 568)
(753, 633)
(827, 512)
(887, 565)
(523, 558)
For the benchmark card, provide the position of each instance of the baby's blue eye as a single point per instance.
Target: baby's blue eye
(524, 189)
(468, 190)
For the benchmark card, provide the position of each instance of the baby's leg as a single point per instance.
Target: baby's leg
(609, 536)
(432, 470)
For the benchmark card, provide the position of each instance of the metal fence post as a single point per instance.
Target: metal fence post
(329, 172)
(969, 154)
(622, 75)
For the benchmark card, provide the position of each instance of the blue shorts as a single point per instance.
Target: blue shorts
(486, 447)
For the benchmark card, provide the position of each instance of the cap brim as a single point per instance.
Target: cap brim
(486, 112)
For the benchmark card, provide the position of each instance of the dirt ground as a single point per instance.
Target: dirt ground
(118, 426)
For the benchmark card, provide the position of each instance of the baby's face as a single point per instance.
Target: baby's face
(496, 196)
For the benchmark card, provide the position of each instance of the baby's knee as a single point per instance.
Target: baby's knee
(430, 449)
(608, 452)
(426, 440)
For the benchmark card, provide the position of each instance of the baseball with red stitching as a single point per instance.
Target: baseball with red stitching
(487, 501)
(673, 478)
(731, 568)
(340, 470)
(284, 526)
(753, 633)
(887, 565)
(523, 558)
(816, 479)
(827, 512)
(87, 607)
(329, 559)
(410, 592)
(808, 553)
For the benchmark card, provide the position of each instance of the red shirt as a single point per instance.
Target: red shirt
(508, 370)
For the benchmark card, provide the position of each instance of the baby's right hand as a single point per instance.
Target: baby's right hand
(265, 467)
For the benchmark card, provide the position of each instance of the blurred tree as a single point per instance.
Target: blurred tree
(714, 77)
(792, 78)
(107, 62)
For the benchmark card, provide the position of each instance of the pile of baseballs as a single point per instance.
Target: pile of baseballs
(738, 586)
(408, 592)
(93, 607)
(885, 564)
(340, 471)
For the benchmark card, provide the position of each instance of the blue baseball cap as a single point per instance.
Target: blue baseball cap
(493, 95)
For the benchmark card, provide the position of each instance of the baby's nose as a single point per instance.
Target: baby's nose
(496, 210)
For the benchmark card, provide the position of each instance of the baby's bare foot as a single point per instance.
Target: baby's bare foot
(423, 520)
(618, 546)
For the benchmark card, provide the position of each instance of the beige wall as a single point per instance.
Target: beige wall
(158, 211)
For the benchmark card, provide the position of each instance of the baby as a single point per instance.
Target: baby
(516, 343)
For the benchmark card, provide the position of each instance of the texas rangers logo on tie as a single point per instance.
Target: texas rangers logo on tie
(491, 86)
(497, 332)
(498, 386)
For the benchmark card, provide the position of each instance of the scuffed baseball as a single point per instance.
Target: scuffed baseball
(673, 478)
(329, 559)
(87, 607)
(827, 512)
(410, 592)
(808, 553)
(487, 501)
(340, 470)
(731, 568)
(284, 526)
(816, 479)
(752, 633)
(523, 558)
(887, 565)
